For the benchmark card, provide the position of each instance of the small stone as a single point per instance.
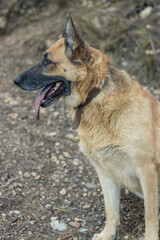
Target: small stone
(126, 192)
(90, 185)
(27, 175)
(43, 218)
(32, 222)
(126, 237)
(63, 192)
(20, 173)
(56, 114)
(14, 192)
(58, 225)
(41, 144)
(87, 206)
(53, 157)
(72, 137)
(3, 215)
(53, 219)
(38, 177)
(52, 134)
(146, 12)
(57, 144)
(16, 212)
(30, 233)
(66, 154)
(76, 162)
(34, 174)
(83, 230)
(74, 224)
(85, 189)
(48, 206)
(77, 219)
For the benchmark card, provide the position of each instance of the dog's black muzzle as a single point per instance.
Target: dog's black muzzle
(34, 79)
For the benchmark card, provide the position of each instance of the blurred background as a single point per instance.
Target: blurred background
(44, 178)
(128, 31)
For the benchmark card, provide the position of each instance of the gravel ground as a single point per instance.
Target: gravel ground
(44, 179)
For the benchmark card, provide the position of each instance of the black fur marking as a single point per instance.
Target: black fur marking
(34, 79)
(110, 150)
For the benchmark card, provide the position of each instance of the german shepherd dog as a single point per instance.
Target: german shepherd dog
(117, 122)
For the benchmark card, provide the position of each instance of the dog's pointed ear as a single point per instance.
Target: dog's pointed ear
(74, 44)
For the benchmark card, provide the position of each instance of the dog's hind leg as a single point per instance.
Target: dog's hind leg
(111, 193)
(149, 183)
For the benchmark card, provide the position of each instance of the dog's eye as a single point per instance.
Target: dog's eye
(46, 62)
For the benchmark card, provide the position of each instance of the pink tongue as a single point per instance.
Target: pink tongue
(39, 99)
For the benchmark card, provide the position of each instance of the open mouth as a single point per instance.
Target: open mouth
(51, 93)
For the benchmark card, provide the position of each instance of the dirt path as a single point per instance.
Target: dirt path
(43, 175)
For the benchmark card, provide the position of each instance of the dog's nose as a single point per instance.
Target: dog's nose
(17, 80)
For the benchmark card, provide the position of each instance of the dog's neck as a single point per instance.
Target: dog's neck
(78, 110)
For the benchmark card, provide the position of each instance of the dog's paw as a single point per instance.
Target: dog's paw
(102, 236)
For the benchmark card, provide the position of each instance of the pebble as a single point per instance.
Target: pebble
(34, 174)
(95, 194)
(30, 233)
(56, 114)
(32, 222)
(66, 154)
(41, 144)
(53, 219)
(4, 215)
(76, 162)
(126, 237)
(38, 177)
(58, 225)
(74, 224)
(48, 206)
(83, 230)
(146, 12)
(16, 212)
(14, 192)
(77, 219)
(53, 157)
(72, 137)
(63, 192)
(43, 218)
(87, 206)
(27, 175)
(52, 134)
(90, 185)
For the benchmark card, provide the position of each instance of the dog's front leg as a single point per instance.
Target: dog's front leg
(149, 183)
(111, 193)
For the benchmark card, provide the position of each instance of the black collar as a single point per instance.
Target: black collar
(78, 110)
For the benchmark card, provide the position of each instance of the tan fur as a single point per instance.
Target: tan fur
(119, 132)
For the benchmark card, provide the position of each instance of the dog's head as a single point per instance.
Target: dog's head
(62, 71)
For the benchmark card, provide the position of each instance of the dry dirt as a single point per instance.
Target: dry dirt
(43, 175)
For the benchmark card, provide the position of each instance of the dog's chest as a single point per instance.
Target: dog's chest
(115, 163)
